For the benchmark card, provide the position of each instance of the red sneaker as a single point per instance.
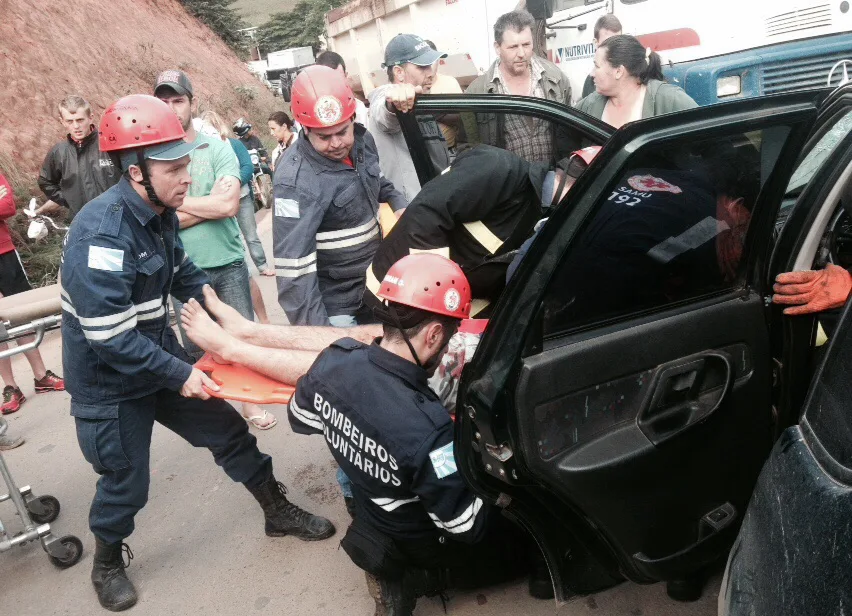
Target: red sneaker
(49, 382)
(13, 398)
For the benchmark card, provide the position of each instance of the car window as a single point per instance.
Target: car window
(532, 138)
(818, 154)
(671, 228)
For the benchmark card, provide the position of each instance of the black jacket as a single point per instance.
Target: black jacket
(75, 173)
(476, 213)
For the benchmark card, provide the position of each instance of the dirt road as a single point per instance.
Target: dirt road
(199, 544)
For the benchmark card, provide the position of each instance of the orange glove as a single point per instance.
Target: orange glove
(810, 291)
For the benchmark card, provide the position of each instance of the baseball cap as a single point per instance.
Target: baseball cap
(405, 48)
(176, 80)
(172, 150)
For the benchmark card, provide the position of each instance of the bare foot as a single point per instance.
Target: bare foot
(231, 321)
(204, 332)
(268, 272)
(259, 418)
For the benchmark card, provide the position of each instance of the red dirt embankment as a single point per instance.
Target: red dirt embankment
(102, 51)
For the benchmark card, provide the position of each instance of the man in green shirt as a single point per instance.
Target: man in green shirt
(208, 229)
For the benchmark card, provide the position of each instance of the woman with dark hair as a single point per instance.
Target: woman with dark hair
(281, 127)
(630, 85)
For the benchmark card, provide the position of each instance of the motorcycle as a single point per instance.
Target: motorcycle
(261, 179)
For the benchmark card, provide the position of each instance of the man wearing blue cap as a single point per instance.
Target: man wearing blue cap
(410, 63)
(124, 367)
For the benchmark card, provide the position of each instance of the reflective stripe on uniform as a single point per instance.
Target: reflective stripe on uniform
(373, 284)
(293, 268)
(444, 251)
(328, 240)
(690, 239)
(148, 316)
(390, 504)
(306, 417)
(478, 305)
(484, 236)
(463, 522)
(126, 319)
(106, 334)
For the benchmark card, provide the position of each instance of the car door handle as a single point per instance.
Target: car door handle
(685, 393)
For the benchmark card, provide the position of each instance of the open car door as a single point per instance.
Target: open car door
(619, 404)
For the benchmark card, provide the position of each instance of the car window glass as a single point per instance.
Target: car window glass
(819, 153)
(533, 139)
(671, 228)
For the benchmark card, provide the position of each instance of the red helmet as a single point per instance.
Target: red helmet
(429, 282)
(138, 121)
(321, 98)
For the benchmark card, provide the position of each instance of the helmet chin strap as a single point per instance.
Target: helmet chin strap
(146, 180)
(398, 324)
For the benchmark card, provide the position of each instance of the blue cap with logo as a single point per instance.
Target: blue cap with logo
(173, 150)
(404, 48)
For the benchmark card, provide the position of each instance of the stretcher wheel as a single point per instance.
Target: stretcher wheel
(75, 552)
(51, 509)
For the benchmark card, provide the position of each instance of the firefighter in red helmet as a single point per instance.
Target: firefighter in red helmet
(327, 192)
(124, 367)
(414, 517)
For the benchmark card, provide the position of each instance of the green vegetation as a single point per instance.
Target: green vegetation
(300, 27)
(222, 18)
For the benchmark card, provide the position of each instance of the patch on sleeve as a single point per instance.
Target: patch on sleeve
(649, 183)
(287, 208)
(443, 461)
(107, 259)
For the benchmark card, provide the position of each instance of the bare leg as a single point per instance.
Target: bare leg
(282, 365)
(294, 337)
(6, 368)
(34, 357)
(257, 302)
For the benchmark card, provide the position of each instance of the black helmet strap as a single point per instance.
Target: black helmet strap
(146, 179)
(398, 324)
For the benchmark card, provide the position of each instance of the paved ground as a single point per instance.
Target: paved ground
(199, 544)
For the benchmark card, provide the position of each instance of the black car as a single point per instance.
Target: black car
(635, 375)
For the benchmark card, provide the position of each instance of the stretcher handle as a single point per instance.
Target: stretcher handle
(37, 327)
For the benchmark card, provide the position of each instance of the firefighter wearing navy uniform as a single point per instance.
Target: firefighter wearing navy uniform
(125, 368)
(327, 192)
(477, 213)
(390, 434)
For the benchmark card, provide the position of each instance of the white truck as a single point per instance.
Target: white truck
(282, 67)
(716, 51)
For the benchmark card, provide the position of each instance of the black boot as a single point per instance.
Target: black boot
(397, 598)
(285, 518)
(115, 591)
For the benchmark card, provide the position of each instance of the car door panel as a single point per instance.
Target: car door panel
(656, 491)
(560, 390)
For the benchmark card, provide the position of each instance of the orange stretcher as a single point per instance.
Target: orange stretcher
(243, 384)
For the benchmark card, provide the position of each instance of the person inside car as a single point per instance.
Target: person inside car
(673, 225)
(477, 213)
